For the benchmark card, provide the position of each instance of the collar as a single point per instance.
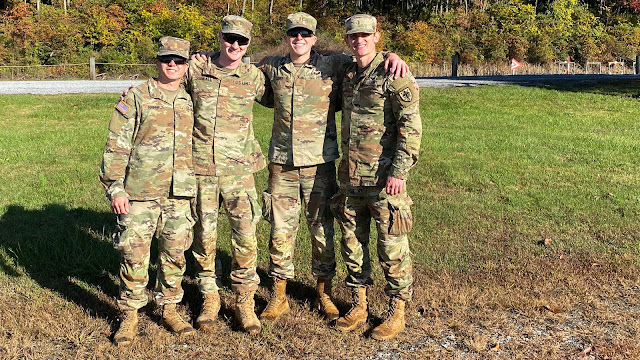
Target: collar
(210, 68)
(287, 64)
(156, 93)
(375, 63)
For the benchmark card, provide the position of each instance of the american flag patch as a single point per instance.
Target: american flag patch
(122, 107)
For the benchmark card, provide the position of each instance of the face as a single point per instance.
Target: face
(171, 68)
(233, 47)
(362, 44)
(300, 41)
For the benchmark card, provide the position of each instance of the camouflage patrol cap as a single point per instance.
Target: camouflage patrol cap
(301, 20)
(170, 45)
(232, 24)
(361, 23)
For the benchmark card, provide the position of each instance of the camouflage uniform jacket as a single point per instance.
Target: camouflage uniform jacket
(381, 126)
(223, 139)
(148, 150)
(304, 125)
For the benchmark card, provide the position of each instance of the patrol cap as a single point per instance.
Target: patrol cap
(232, 24)
(301, 20)
(169, 45)
(361, 23)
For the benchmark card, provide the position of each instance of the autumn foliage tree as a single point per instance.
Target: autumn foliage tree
(125, 31)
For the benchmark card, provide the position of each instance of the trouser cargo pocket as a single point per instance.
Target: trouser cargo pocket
(400, 217)
(267, 210)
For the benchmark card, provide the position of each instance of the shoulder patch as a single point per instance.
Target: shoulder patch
(404, 89)
(405, 95)
(408, 95)
(122, 107)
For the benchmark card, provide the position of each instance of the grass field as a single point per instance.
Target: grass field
(526, 242)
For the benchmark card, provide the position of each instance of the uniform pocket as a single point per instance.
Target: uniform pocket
(337, 205)
(400, 217)
(340, 209)
(188, 241)
(267, 211)
(121, 238)
(255, 209)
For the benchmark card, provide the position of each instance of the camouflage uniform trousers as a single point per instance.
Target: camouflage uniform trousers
(354, 208)
(238, 194)
(171, 221)
(288, 186)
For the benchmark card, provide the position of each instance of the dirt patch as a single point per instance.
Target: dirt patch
(543, 308)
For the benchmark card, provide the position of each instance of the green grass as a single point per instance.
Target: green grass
(501, 169)
(529, 163)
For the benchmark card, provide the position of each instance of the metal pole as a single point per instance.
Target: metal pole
(637, 64)
(92, 68)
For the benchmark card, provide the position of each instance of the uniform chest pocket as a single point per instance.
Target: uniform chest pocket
(371, 97)
(206, 86)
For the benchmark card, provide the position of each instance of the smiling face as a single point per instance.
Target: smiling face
(171, 68)
(363, 46)
(232, 48)
(300, 42)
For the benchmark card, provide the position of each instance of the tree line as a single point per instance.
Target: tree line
(429, 31)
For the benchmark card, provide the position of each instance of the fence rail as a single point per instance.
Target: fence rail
(90, 70)
(119, 71)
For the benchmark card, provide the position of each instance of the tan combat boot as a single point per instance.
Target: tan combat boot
(394, 324)
(357, 315)
(278, 303)
(209, 314)
(128, 328)
(245, 313)
(323, 302)
(174, 322)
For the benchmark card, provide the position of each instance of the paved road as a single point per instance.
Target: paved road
(526, 80)
(116, 86)
(65, 87)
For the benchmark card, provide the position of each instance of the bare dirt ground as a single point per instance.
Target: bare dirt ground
(562, 307)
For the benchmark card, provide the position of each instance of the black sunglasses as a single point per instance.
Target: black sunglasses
(302, 32)
(166, 59)
(231, 38)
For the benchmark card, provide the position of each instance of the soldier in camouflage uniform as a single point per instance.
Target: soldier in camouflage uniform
(381, 134)
(148, 175)
(302, 152)
(226, 154)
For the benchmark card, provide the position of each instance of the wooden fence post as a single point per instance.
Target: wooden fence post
(454, 64)
(637, 64)
(92, 68)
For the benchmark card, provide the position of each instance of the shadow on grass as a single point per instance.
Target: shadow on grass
(62, 250)
(65, 250)
(615, 86)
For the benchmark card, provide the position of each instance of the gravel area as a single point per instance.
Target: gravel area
(116, 86)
